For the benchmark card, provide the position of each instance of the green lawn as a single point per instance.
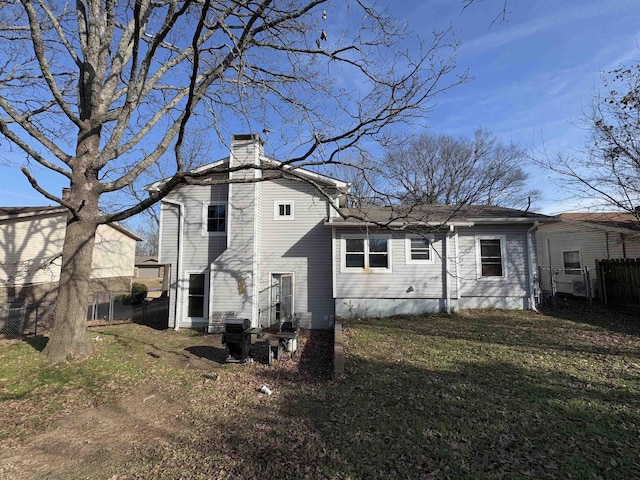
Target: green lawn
(485, 394)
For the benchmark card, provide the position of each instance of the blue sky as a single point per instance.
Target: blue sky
(534, 74)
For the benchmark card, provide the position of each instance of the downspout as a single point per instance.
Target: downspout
(457, 261)
(624, 247)
(532, 299)
(178, 301)
(606, 240)
(446, 268)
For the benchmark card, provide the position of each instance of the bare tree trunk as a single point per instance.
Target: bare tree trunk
(69, 337)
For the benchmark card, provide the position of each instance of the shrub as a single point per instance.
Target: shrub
(138, 292)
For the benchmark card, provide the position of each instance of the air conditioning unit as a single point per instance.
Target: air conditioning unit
(578, 287)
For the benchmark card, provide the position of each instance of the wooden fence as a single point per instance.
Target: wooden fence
(619, 281)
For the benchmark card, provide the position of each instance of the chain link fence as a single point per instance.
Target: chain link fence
(19, 319)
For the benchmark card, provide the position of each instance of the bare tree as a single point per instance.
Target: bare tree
(608, 168)
(149, 231)
(430, 169)
(104, 93)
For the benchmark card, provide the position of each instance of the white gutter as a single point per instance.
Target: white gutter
(457, 260)
(178, 302)
(530, 232)
(403, 225)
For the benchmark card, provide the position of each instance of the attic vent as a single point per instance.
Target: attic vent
(578, 287)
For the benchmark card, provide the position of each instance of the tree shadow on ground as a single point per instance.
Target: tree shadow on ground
(152, 313)
(38, 342)
(616, 319)
(482, 419)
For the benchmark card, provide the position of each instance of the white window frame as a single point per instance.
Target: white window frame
(365, 237)
(276, 210)
(206, 297)
(564, 268)
(407, 249)
(503, 258)
(205, 219)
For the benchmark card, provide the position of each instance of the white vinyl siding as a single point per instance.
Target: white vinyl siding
(426, 279)
(302, 248)
(198, 250)
(514, 283)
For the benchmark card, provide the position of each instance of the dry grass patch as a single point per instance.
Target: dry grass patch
(484, 394)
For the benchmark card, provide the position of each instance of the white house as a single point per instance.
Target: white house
(567, 247)
(277, 246)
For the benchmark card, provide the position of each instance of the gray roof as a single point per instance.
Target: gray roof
(437, 215)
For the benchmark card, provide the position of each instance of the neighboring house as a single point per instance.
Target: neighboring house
(567, 247)
(31, 241)
(147, 266)
(270, 248)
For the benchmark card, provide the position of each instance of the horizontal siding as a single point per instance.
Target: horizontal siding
(516, 263)
(168, 254)
(426, 280)
(198, 249)
(30, 249)
(113, 254)
(301, 246)
(592, 243)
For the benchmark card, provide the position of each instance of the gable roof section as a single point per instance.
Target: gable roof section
(14, 213)
(267, 162)
(436, 215)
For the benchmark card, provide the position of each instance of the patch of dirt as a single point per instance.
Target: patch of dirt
(142, 430)
(91, 436)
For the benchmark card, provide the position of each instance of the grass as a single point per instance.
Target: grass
(484, 394)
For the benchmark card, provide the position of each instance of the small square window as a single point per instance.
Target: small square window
(283, 211)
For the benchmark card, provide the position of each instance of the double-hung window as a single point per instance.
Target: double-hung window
(362, 252)
(418, 249)
(571, 261)
(215, 218)
(491, 255)
(196, 295)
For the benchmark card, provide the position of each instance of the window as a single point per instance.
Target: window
(355, 253)
(283, 210)
(363, 253)
(571, 260)
(196, 295)
(490, 251)
(418, 249)
(216, 218)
